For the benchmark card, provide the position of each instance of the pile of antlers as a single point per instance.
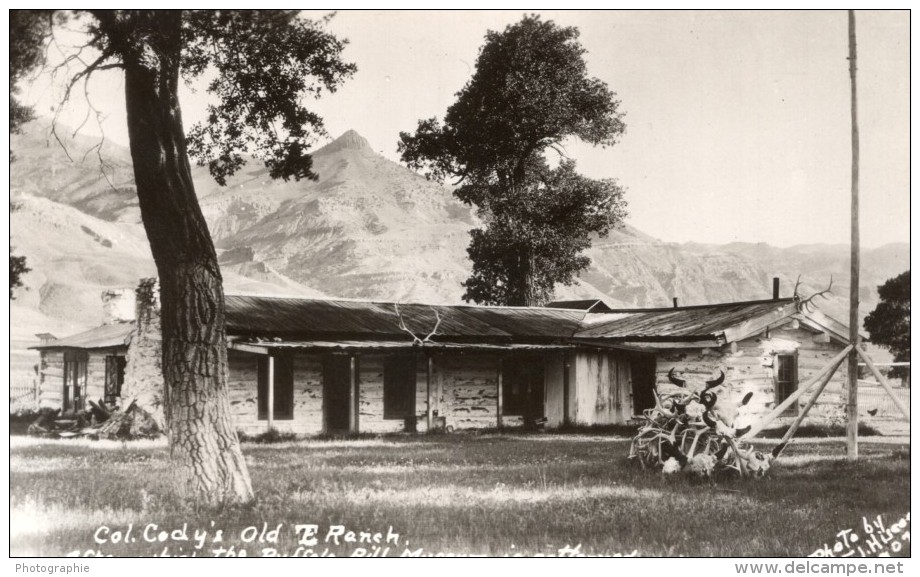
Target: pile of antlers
(692, 430)
(807, 304)
(416, 340)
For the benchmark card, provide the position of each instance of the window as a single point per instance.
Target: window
(787, 376)
(114, 377)
(522, 387)
(283, 390)
(399, 387)
(74, 380)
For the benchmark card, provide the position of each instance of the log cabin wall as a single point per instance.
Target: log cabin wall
(464, 393)
(51, 383)
(51, 379)
(752, 367)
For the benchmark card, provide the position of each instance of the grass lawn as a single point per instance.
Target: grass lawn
(458, 494)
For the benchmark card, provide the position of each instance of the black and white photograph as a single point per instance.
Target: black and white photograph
(460, 283)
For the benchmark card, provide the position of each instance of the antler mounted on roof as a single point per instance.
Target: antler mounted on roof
(807, 304)
(415, 338)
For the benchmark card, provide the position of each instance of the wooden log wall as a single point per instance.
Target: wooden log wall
(51, 379)
(752, 368)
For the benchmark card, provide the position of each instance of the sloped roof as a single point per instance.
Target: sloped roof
(104, 337)
(262, 316)
(309, 323)
(683, 323)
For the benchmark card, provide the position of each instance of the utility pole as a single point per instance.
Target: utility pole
(852, 363)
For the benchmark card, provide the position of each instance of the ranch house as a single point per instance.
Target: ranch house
(323, 366)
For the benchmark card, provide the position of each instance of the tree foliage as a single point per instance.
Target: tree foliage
(28, 29)
(889, 324)
(261, 67)
(530, 92)
(17, 269)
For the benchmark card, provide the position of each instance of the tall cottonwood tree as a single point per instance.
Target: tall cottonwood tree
(530, 91)
(261, 66)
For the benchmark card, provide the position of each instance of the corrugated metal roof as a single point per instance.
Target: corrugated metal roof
(690, 323)
(104, 337)
(248, 315)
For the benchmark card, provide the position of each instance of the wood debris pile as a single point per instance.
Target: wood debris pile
(98, 422)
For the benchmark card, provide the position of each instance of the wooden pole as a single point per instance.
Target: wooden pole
(884, 382)
(498, 403)
(830, 367)
(565, 389)
(271, 393)
(430, 409)
(352, 397)
(811, 402)
(852, 365)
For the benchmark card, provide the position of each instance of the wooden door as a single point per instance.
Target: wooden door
(643, 376)
(336, 392)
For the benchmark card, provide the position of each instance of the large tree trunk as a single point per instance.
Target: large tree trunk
(203, 443)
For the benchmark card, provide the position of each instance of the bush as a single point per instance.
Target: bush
(267, 438)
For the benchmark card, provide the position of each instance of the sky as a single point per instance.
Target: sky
(738, 123)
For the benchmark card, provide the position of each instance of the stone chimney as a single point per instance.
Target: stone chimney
(144, 374)
(117, 306)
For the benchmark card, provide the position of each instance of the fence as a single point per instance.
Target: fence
(874, 400)
(23, 395)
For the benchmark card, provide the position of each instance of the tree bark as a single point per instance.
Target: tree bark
(203, 444)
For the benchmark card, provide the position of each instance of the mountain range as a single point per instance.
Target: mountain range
(368, 228)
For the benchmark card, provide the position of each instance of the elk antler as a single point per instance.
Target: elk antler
(415, 339)
(801, 303)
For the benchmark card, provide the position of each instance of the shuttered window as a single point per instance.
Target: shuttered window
(398, 387)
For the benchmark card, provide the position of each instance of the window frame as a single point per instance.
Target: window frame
(784, 388)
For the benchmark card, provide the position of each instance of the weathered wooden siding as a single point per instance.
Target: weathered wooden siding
(554, 386)
(370, 384)
(51, 391)
(464, 392)
(751, 368)
(603, 393)
(51, 384)
(469, 391)
(308, 395)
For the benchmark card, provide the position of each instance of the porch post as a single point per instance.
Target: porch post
(430, 409)
(565, 389)
(271, 393)
(498, 404)
(353, 395)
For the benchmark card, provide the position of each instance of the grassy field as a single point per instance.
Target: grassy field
(453, 494)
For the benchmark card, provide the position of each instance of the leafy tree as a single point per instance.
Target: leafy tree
(261, 66)
(28, 29)
(529, 93)
(17, 269)
(889, 324)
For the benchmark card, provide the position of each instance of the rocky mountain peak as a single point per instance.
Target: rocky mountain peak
(350, 140)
